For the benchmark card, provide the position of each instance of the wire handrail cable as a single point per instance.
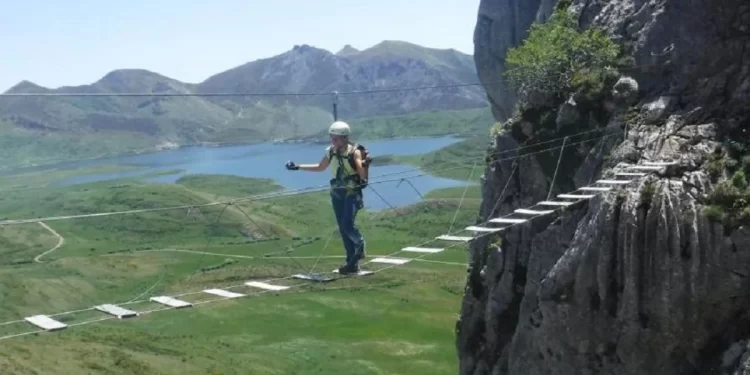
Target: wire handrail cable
(234, 94)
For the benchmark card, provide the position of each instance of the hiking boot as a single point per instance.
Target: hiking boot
(347, 270)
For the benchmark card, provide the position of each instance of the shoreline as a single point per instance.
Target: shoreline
(61, 164)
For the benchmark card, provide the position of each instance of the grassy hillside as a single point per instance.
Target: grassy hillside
(227, 185)
(23, 147)
(399, 320)
(466, 122)
(455, 161)
(266, 121)
(77, 130)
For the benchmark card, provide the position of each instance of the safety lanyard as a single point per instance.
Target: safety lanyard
(340, 171)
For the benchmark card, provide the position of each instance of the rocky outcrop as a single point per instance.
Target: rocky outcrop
(639, 280)
(501, 25)
(347, 50)
(689, 54)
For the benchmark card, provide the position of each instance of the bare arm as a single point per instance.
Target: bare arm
(321, 166)
(358, 163)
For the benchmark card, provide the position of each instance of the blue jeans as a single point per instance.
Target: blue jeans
(345, 207)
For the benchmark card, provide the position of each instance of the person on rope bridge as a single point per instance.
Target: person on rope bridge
(350, 173)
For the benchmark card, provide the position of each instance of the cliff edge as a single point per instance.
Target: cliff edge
(653, 277)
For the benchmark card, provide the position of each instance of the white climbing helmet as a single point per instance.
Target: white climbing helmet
(339, 128)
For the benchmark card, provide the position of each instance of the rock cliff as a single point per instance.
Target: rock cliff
(501, 25)
(654, 277)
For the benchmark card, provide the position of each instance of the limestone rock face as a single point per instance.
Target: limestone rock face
(501, 25)
(638, 280)
(635, 281)
(692, 53)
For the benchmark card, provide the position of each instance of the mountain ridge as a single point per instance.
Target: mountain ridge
(347, 51)
(150, 122)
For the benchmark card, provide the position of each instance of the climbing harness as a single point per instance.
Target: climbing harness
(344, 175)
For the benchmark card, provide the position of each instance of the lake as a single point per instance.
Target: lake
(267, 161)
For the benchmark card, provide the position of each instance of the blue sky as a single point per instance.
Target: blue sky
(74, 42)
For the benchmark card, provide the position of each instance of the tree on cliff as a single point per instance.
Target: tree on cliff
(557, 58)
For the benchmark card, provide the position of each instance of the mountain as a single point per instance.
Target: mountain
(145, 123)
(386, 65)
(347, 50)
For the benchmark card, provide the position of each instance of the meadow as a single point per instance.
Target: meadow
(399, 320)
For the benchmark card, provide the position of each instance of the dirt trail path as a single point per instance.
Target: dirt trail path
(60, 242)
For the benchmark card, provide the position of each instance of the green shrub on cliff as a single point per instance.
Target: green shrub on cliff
(557, 57)
(730, 201)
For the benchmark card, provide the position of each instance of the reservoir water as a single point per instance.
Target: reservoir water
(267, 161)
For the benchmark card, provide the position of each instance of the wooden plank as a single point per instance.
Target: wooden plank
(482, 229)
(428, 250)
(533, 212)
(171, 302)
(645, 168)
(223, 293)
(454, 238)
(614, 182)
(46, 323)
(589, 188)
(266, 286)
(312, 276)
(117, 311)
(387, 260)
(554, 203)
(505, 220)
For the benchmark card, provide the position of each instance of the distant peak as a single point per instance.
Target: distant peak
(304, 48)
(138, 80)
(121, 73)
(347, 50)
(400, 45)
(395, 46)
(26, 87)
(120, 76)
(396, 43)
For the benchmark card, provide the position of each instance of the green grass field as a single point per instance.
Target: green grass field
(465, 122)
(399, 320)
(454, 161)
